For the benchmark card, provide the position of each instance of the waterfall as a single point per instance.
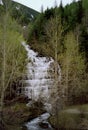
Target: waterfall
(39, 83)
(40, 76)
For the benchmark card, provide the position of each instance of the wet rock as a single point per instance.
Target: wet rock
(24, 127)
(44, 125)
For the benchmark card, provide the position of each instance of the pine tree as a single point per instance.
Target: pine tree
(80, 11)
(61, 11)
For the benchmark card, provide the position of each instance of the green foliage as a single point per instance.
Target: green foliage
(49, 13)
(73, 14)
(12, 53)
(1, 10)
(85, 4)
(84, 41)
(70, 15)
(37, 29)
(73, 69)
(72, 51)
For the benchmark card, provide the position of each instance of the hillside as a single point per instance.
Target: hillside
(73, 17)
(26, 14)
(21, 13)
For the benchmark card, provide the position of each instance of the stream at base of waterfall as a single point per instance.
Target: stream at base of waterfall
(38, 85)
(35, 124)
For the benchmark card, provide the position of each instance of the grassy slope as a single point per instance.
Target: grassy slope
(74, 117)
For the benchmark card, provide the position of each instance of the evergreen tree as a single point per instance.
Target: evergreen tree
(80, 11)
(61, 11)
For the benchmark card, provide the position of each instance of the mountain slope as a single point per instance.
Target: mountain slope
(25, 14)
(20, 12)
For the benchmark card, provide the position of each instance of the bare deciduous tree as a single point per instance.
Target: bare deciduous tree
(54, 32)
(12, 58)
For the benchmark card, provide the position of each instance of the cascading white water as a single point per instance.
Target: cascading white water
(34, 124)
(40, 75)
